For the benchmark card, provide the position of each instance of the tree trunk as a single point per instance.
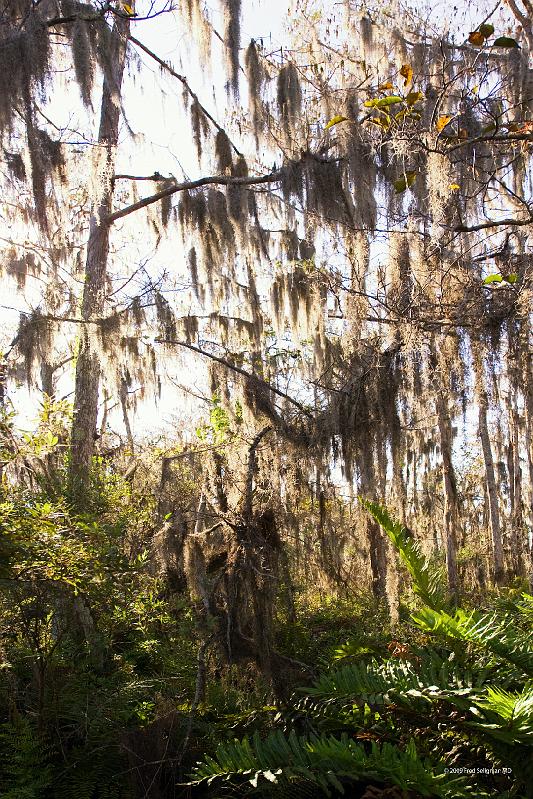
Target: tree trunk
(490, 478)
(3, 397)
(376, 541)
(515, 480)
(93, 303)
(527, 383)
(449, 491)
(449, 486)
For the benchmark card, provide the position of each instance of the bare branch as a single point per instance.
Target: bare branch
(185, 82)
(220, 180)
(249, 376)
(497, 223)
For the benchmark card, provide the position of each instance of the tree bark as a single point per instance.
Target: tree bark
(514, 476)
(449, 485)
(87, 380)
(490, 477)
(449, 491)
(526, 370)
(376, 540)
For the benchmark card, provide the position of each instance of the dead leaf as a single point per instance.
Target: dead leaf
(476, 38)
(406, 72)
(442, 121)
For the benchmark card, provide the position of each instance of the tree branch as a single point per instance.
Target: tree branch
(507, 138)
(220, 180)
(185, 82)
(223, 362)
(488, 225)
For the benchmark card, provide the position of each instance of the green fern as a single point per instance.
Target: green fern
(506, 715)
(327, 762)
(399, 683)
(26, 769)
(487, 632)
(426, 582)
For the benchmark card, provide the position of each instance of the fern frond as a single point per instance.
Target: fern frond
(397, 684)
(488, 631)
(426, 582)
(325, 761)
(505, 715)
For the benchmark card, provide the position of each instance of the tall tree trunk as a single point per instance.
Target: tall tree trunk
(490, 477)
(513, 461)
(376, 540)
(449, 486)
(526, 370)
(93, 302)
(449, 491)
(3, 397)
(516, 477)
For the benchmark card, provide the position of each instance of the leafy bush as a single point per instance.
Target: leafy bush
(91, 650)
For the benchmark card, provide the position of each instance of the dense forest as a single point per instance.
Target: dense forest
(266, 399)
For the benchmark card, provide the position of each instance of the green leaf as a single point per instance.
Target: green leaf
(505, 41)
(492, 279)
(383, 102)
(486, 30)
(403, 183)
(512, 278)
(414, 97)
(426, 582)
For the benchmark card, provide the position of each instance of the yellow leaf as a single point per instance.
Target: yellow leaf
(407, 72)
(442, 121)
(454, 186)
(413, 97)
(127, 8)
(335, 121)
(385, 87)
(383, 121)
(475, 89)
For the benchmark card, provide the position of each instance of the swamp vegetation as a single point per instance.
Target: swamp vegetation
(266, 400)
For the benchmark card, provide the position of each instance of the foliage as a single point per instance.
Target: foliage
(91, 648)
(464, 688)
(324, 761)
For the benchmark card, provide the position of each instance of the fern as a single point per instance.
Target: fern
(426, 582)
(396, 682)
(506, 715)
(25, 761)
(327, 762)
(489, 632)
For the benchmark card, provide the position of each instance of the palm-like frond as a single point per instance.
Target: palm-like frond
(426, 582)
(486, 631)
(506, 715)
(327, 762)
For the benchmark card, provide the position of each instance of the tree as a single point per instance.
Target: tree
(392, 233)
